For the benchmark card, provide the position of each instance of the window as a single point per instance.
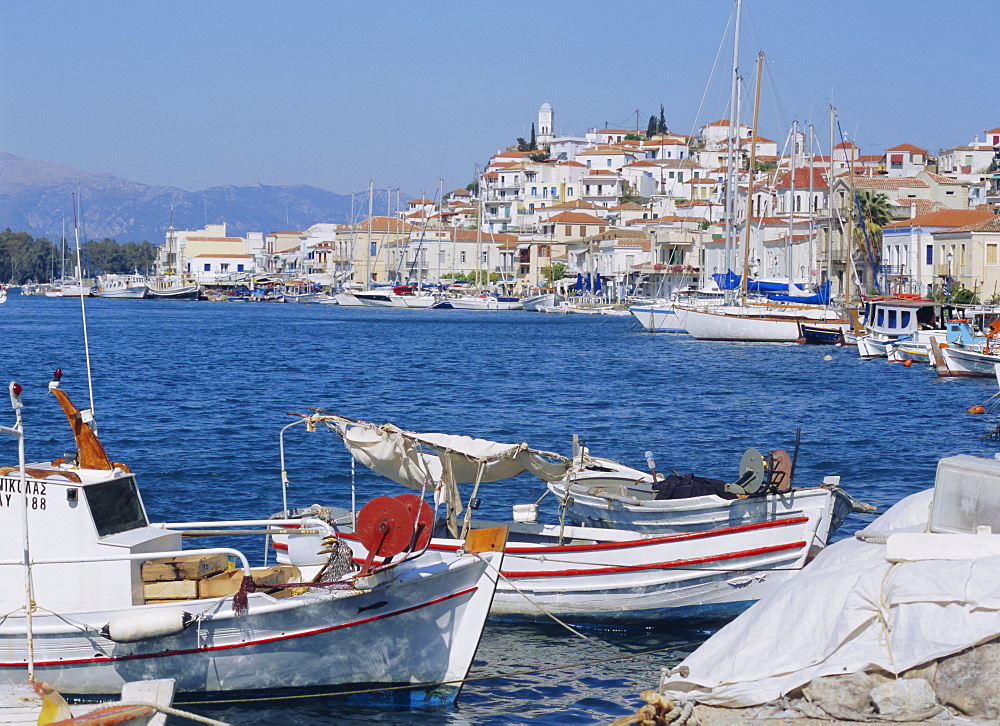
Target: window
(554, 192)
(373, 250)
(892, 318)
(930, 255)
(239, 268)
(569, 191)
(224, 267)
(441, 257)
(906, 320)
(609, 162)
(961, 255)
(545, 192)
(568, 230)
(531, 207)
(588, 162)
(671, 175)
(462, 257)
(896, 161)
(991, 253)
(208, 267)
(680, 176)
(583, 231)
(534, 191)
(697, 174)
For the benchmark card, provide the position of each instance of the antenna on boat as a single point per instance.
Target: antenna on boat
(83, 313)
(29, 597)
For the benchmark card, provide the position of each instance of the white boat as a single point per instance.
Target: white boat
(665, 318)
(764, 323)
(966, 362)
(538, 303)
(604, 493)
(142, 703)
(122, 286)
(3, 294)
(485, 302)
(69, 288)
(345, 299)
(108, 596)
(582, 574)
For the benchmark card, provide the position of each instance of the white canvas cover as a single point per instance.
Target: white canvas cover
(850, 610)
(440, 462)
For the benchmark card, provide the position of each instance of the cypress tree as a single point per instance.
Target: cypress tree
(651, 127)
(662, 127)
(532, 145)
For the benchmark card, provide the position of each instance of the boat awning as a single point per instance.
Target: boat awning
(440, 462)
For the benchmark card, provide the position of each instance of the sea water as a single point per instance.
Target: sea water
(192, 395)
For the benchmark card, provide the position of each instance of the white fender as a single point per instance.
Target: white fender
(142, 626)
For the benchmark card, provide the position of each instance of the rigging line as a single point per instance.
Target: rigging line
(711, 75)
(475, 679)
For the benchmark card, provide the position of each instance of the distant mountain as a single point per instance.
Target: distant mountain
(35, 196)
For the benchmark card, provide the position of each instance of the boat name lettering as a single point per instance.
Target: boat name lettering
(33, 490)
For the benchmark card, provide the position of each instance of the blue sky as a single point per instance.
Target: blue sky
(199, 94)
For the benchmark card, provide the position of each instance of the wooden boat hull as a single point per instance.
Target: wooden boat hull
(192, 292)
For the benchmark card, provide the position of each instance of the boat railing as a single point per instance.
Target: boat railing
(141, 556)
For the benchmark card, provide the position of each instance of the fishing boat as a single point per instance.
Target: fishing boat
(301, 292)
(94, 594)
(485, 302)
(170, 288)
(820, 334)
(579, 574)
(538, 303)
(122, 286)
(966, 352)
(604, 493)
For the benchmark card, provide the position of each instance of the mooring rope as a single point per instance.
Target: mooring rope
(458, 681)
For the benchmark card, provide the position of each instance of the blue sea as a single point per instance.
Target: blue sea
(192, 395)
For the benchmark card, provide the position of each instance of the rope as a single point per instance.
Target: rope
(553, 617)
(459, 681)
(171, 711)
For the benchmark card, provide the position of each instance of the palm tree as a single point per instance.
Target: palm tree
(872, 213)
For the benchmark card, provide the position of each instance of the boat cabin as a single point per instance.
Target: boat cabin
(93, 519)
(893, 317)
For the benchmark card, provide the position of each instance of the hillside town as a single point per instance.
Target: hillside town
(646, 213)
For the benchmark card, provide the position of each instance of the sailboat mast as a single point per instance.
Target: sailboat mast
(809, 247)
(791, 206)
(368, 248)
(829, 203)
(730, 150)
(750, 179)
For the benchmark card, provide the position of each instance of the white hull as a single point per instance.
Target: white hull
(611, 577)
(667, 319)
(538, 303)
(417, 301)
(477, 303)
(753, 324)
(347, 300)
(421, 629)
(964, 362)
(191, 292)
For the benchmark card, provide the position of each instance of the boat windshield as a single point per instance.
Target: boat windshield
(115, 506)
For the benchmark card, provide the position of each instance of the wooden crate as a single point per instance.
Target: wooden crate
(186, 567)
(170, 590)
(228, 583)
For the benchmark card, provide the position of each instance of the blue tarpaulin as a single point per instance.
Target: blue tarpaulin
(822, 297)
(729, 281)
(579, 284)
(597, 284)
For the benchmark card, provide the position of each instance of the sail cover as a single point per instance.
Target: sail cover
(440, 462)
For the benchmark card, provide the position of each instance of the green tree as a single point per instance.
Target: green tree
(533, 144)
(871, 214)
(661, 126)
(630, 194)
(538, 155)
(24, 258)
(651, 127)
(554, 273)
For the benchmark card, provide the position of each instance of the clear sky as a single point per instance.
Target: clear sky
(334, 93)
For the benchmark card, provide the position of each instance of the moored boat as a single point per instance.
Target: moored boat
(582, 574)
(122, 286)
(112, 595)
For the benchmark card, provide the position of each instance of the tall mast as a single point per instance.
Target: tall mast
(750, 179)
(368, 248)
(730, 150)
(829, 203)
(791, 206)
(809, 247)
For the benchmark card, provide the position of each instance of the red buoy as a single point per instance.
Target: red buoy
(907, 363)
(976, 409)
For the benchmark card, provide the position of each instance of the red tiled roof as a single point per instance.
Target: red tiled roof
(910, 148)
(577, 218)
(944, 218)
(992, 224)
